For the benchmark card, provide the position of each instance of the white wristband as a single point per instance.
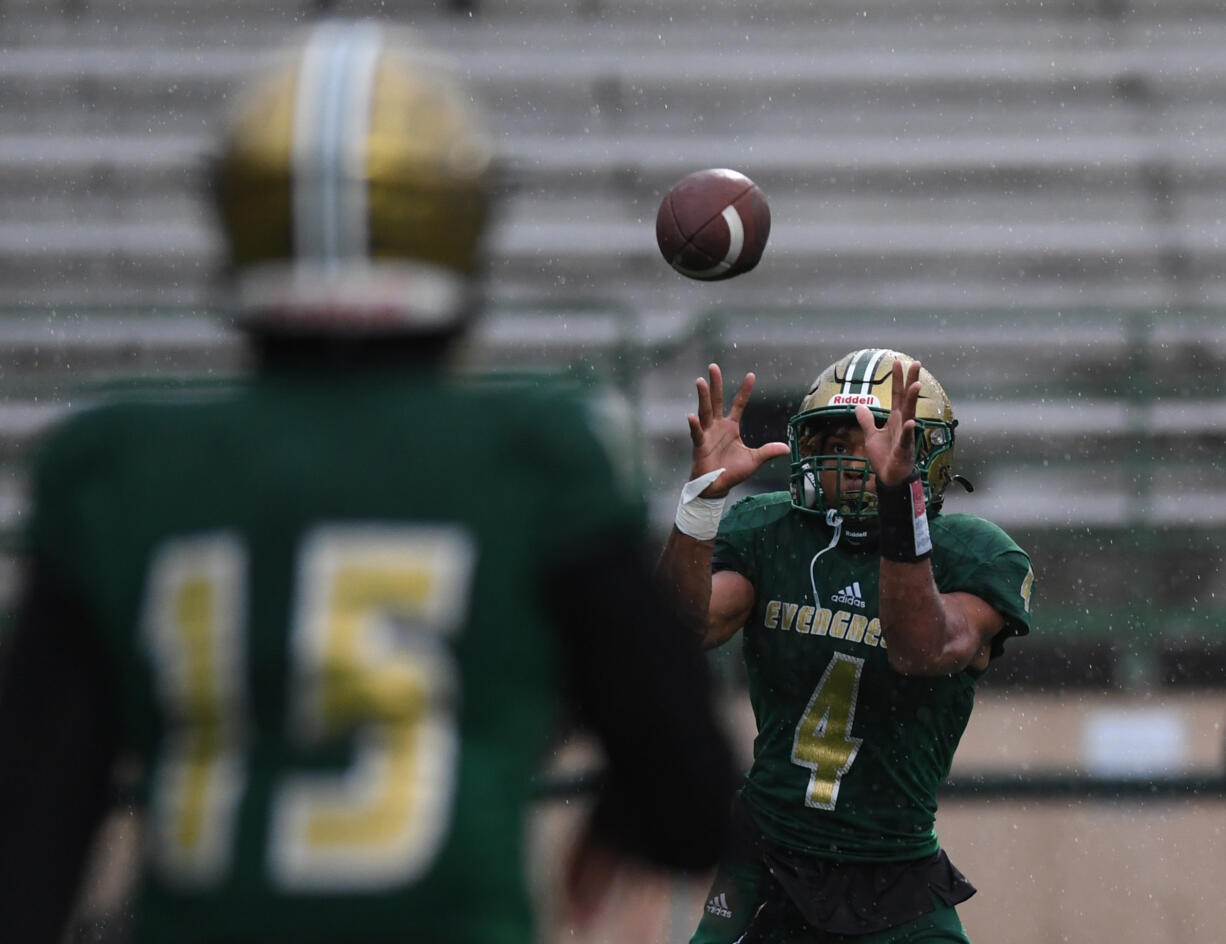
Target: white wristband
(699, 517)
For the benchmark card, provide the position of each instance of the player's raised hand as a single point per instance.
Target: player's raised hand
(890, 449)
(717, 436)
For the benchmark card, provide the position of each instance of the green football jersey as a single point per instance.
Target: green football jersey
(324, 607)
(849, 753)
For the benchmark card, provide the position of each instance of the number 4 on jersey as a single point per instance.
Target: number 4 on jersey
(823, 740)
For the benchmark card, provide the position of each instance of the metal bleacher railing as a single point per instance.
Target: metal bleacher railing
(1097, 438)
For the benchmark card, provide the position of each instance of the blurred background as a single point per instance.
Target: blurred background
(1029, 197)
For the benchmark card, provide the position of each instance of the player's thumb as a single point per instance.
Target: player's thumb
(866, 419)
(771, 450)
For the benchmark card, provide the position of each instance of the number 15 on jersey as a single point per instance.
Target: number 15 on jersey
(369, 663)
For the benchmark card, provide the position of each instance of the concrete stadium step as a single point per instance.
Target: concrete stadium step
(174, 264)
(1018, 166)
(1175, 360)
(106, 263)
(623, 11)
(59, 356)
(1046, 372)
(1010, 350)
(986, 44)
(119, 177)
(1010, 490)
(598, 77)
(1087, 102)
(79, 177)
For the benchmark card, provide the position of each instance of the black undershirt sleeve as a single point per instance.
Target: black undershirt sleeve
(641, 684)
(57, 744)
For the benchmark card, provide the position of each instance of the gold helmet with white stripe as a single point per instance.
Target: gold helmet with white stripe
(354, 186)
(865, 377)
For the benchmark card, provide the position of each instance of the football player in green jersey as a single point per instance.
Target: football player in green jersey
(866, 618)
(323, 616)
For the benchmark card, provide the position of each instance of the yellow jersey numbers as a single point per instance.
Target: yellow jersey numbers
(823, 741)
(1027, 588)
(193, 628)
(370, 666)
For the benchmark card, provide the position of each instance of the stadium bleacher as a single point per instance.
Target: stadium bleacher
(1029, 198)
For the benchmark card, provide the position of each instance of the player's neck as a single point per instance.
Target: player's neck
(314, 353)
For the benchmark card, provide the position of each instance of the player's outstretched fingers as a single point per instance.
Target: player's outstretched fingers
(742, 398)
(695, 429)
(911, 399)
(704, 402)
(717, 388)
(866, 419)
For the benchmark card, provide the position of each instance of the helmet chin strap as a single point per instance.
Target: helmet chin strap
(834, 520)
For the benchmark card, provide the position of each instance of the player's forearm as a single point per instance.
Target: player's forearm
(915, 622)
(924, 635)
(684, 571)
(641, 685)
(59, 738)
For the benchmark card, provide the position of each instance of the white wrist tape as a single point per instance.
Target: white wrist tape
(699, 517)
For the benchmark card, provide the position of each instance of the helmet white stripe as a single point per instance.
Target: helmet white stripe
(864, 383)
(331, 123)
(871, 370)
(851, 370)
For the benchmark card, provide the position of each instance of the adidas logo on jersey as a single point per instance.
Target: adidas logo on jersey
(849, 595)
(718, 906)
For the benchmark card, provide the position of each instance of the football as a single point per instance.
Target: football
(713, 224)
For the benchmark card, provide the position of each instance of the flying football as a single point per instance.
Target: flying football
(713, 224)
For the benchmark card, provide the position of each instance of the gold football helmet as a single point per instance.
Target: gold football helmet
(865, 377)
(354, 185)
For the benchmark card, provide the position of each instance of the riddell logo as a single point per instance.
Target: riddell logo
(854, 399)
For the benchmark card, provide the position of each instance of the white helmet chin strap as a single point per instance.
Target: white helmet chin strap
(834, 520)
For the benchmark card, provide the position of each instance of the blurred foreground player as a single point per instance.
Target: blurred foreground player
(328, 612)
(866, 617)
